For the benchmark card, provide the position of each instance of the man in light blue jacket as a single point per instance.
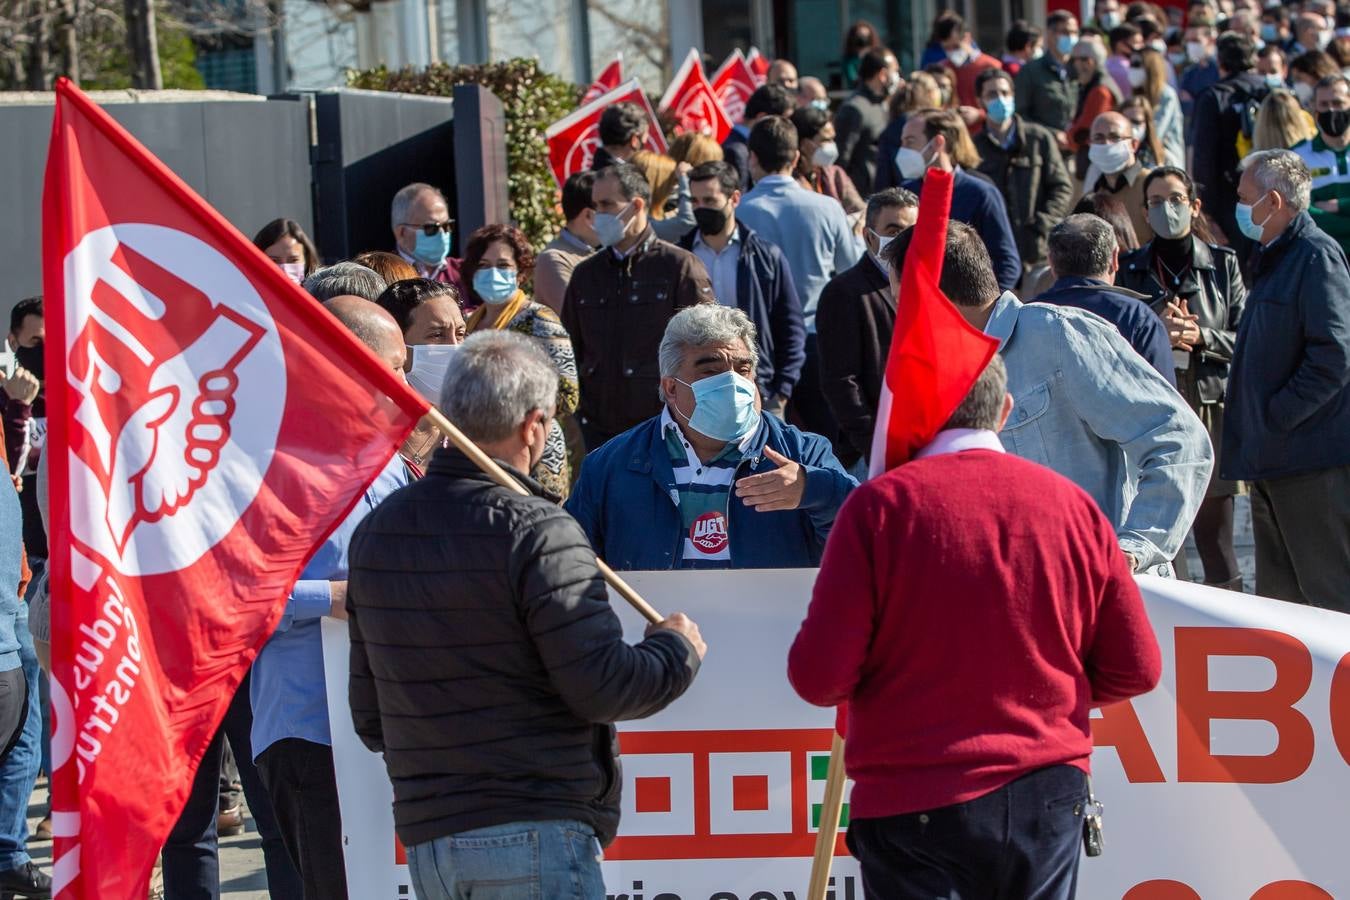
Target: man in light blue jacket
(1088, 406)
(813, 233)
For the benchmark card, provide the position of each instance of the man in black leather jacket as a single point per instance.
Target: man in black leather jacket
(486, 663)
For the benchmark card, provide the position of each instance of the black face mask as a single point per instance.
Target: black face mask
(711, 221)
(31, 359)
(1333, 122)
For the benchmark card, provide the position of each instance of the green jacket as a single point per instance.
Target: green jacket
(1330, 181)
(1045, 94)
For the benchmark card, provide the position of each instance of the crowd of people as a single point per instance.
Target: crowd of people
(1145, 214)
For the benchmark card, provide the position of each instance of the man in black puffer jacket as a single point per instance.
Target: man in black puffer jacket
(486, 663)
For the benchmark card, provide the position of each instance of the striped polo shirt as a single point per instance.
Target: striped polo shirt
(703, 491)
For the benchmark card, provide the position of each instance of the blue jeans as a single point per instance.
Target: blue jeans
(19, 771)
(1022, 840)
(552, 860)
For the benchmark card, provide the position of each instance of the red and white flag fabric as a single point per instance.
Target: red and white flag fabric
(759, 66)
(936, 356)
(210, 424)
(733, 83)
(573, 139)
(608, 80)
(691, 100)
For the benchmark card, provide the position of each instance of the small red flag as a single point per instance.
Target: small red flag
(733, 84)
(758, 65)
(209, 425)
(608, 80)
(691, 99)
(936, 356)
(573, 139)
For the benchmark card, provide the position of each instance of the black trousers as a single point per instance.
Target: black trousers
(808, 409)
(299, 777)
(191, 853)
(1020, 842)
(1301, 526)
(13, 708)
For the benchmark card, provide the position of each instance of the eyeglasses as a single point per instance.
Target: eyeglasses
(432, 228)
(1174, 200)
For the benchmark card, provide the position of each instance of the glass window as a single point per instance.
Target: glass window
(726, 26)
(543, 26)
(638, 30)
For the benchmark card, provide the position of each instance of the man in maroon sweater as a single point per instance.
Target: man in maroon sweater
(971, 607)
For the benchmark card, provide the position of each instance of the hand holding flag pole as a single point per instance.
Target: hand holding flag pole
(934, 360)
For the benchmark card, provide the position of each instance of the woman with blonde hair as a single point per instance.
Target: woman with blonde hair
(1140, 113)
(672, 209)
(1281, 123)
(695, 148)
(1148, 77)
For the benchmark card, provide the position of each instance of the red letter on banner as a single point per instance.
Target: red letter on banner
(1119, 727)
(1197, 706)
(1340, 706)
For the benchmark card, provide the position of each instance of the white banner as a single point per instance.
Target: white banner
(1228, 782)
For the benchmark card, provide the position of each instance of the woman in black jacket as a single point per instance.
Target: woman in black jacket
(1197, 289)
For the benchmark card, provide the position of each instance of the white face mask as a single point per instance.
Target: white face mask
(1137, 77)
(1140, 132)
(827, 154)
(427, 375)
(958, 56)
(1196, 51)
(1304, 92)
(883, 241)
(1111, 158)
(1324, 38)
(911, 163)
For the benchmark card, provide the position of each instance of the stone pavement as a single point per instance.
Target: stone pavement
(241, 866)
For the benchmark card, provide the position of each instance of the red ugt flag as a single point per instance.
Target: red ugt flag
(936, 356)
(690, 97)
(758, 65)
(733, 84)
(573, 139)
(210, 424)
(609, 79)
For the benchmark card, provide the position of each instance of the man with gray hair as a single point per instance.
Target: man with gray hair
(423, 229)
(344, 279)
(713, 481)
(1085, 257)
(487, 664)
(854, 323)
(1287, 419)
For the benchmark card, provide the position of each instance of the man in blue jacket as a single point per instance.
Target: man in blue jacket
(752, 275)
(713, 481)
(1287, 423)
(1085, 257)
(938, 139)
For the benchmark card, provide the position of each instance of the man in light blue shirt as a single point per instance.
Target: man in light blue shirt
(291, 743)
(1086, 405)
(813, 233)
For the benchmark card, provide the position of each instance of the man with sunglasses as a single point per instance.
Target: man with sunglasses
(423, 230)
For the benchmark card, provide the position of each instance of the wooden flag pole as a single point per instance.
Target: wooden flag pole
(504, 478)
(830, 809)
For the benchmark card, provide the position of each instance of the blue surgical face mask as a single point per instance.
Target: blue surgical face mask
(1065, 43)
(1269, 32)
(1000, 109)
(610, 227)
(431, 250)
(821, 103)
(1243, 214)
(724, 406)
(495, 286)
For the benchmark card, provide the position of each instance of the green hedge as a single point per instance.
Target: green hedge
(533, 100)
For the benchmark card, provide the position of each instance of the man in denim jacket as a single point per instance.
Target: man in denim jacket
(1088, 406)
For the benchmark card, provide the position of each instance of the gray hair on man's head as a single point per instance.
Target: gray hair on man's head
(983, 406)
(889, 198)
(494, 381)
(345, 278)
(699, 326)
(1283, 172)
(1081, 246)
(398, 210)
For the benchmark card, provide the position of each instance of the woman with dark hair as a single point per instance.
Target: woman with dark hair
(1109, 207)
(287, 245)
(816, 169)
(1196, 287)
(498, 261)
(861, 37)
